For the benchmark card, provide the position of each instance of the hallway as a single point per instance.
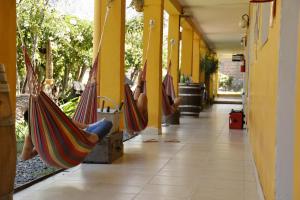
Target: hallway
(200, 159)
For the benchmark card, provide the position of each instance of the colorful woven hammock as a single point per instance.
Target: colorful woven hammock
(59, 142)
(168, 92)
(86, 111)
(134, 120)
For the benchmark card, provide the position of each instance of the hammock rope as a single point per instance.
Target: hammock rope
(86, 111)
(135, 121)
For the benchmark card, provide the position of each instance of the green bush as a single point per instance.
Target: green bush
(225, 82)
(209, 64)
(21, 130)
(70, 107)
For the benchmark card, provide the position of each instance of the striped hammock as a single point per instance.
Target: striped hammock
(134, 120)
(167, 108)
(168, 83)
(59, 142)
(168, 92)
(86, 111)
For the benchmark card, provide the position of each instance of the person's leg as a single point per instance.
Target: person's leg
(28, 151)
(177, 102)
(139, 87)
(142, 104)
(101, 128)
(137, 92)
(91, 127)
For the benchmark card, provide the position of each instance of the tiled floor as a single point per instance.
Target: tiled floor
(228, 100)
(210, 163)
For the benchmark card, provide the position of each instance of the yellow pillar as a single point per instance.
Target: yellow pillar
(8, 45)
(196, 59)
(153, 10)
(202, 54)
(174, 34)
(111, 59)
(187, 50)
(216, 83)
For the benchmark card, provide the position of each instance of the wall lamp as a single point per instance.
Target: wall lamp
(244, 23)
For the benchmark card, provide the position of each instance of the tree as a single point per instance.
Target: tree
(134, 45)
(70, 36)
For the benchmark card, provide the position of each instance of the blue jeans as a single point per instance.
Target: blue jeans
(100, 128)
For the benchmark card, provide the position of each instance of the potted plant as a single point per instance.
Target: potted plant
(209, 65)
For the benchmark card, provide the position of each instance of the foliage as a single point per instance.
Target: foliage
(209, 64)
(69, 107)
(225, 81)
(134, 44)
(21, 130)
(71, 39)
(185, 79)
(230, 83)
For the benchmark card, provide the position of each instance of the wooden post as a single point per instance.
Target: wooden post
(49, 64)
(7, 140)
(7, 102)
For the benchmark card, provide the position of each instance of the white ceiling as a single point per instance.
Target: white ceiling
(218, 21)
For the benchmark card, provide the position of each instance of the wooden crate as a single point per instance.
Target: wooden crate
(108, 150)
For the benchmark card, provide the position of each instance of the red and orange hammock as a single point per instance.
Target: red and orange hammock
(86, 111)
(168, 92)
(135, 121)
(58, 141)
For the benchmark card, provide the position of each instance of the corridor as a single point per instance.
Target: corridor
(200, 159)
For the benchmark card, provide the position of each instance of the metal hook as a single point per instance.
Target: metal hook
(172, 42)
(151, 23)
(109, 2)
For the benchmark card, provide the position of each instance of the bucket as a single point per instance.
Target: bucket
(112, 115)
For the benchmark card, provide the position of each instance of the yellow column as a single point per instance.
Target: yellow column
(187, 50)
(97, 27)
(196, 59)
(8, 45)
(111, 59)
(216, 83)
(153, 10)
(174, 34)
(202, 54)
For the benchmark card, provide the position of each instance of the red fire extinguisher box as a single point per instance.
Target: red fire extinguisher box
(243, 66)
(236, 119)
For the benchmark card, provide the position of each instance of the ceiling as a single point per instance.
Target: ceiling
(218, 21)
